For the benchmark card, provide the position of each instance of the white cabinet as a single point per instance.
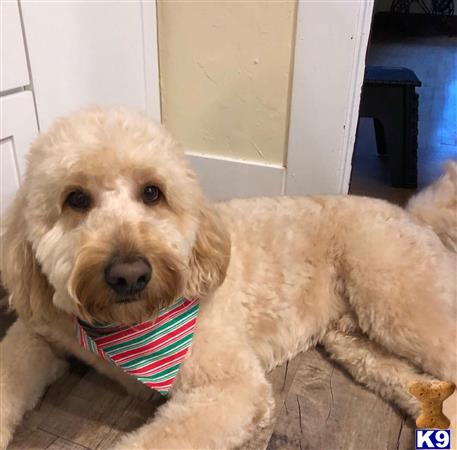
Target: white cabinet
(17, 111)
(18, 129)
(9, 175)
(14, 72)
(96, 52)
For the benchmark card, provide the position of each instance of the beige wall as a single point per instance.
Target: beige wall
(225, 71)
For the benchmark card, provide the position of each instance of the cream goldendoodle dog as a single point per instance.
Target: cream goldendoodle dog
(110, 227)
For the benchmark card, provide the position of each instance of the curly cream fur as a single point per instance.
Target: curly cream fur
(437, 206)
(368, 280)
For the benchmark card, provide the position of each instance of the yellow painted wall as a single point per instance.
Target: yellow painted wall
(225, 72)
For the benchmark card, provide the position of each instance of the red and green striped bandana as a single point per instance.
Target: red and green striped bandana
(151, 351)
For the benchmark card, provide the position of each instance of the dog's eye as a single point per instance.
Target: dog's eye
(150, 194)
(78, 200)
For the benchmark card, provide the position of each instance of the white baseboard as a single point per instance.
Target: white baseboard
(224, 178)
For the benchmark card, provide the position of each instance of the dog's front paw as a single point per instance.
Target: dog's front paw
(127, 442)
(6, 433)
(8, 416)
(166, 439)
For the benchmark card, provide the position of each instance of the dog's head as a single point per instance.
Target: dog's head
(110, 224)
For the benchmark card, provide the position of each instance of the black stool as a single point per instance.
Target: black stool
(389, 97)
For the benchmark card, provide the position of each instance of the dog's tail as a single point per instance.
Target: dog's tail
(437, 206)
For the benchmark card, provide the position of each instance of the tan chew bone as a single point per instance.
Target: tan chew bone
(432, 395)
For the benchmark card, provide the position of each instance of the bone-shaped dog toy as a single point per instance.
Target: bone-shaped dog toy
(432, 395)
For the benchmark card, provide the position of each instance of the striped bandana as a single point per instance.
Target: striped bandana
(151, 351)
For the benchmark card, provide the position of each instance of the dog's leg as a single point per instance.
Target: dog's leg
(27, 366)
(374, 367)
(216, 416)
(401, 282)
(221, 398)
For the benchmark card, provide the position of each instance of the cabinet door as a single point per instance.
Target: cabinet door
(18, 129)
(8, 172)
(95, 52)
(14, 72)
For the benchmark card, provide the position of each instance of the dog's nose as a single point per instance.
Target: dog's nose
(128, 275)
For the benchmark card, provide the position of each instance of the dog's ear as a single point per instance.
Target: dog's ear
(210, 255)
(30, 291)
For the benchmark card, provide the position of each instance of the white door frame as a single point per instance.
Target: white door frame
(330, 50)
(151, 58)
